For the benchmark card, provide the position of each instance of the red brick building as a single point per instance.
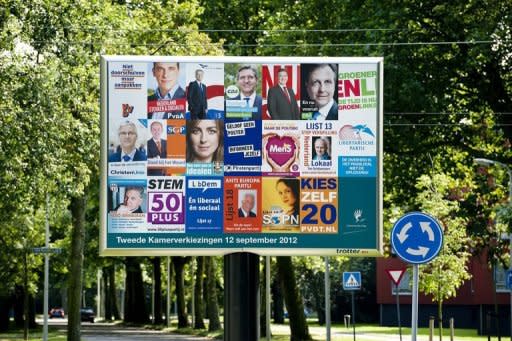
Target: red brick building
(471, 308)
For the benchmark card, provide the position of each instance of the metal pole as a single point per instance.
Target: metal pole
(353, 315)
(241, 281)
(46, 271)
(398, 312)
(267, 295)
(98, 293)
(193, 312)
(509, 172)
(153, 297)
(414, 313)
(327, 294)
(168, 307)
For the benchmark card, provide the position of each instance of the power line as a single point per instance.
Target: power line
(301, 45)
(186, 30)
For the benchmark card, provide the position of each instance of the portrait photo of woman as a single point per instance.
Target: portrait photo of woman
(289, 193)
(205, 141)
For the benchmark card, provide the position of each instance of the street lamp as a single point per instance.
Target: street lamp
(487, 163)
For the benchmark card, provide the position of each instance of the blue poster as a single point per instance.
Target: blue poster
(204, 204)
(242, 150)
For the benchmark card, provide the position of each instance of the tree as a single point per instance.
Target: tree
(447, 272)
(179, 264)
(211, 289)
(198, 294)
(298, 326)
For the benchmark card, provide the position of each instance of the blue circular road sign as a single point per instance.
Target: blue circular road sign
(417, 238)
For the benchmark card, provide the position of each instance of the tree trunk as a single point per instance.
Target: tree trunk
(112, 292)
(298, 326)
(107, 298)
(211, 288)
(263, 300)
(157, 298)
(4, 312)
(76, 256)
(179, 263)
(198, 295)
(135, 304)
(277, 299)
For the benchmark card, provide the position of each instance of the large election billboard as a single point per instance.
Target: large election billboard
(214, 155)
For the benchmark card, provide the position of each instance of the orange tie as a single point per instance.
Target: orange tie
(159, 146)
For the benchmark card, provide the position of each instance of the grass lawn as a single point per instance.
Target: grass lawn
(33, 335)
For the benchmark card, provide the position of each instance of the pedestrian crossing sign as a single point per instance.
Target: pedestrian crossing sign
(352, 280)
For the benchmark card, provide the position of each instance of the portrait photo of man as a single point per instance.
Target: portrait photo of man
(157, 146)
(321, 90)
(247, 79)
(281, 102)
(196, 97)
(247, 204)
(166, 76)
(127, 151)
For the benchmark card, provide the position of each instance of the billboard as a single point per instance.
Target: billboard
(214, 155)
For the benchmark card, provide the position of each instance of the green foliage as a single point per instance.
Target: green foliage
(447, 272)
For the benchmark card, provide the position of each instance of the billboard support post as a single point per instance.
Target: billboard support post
(241, 304)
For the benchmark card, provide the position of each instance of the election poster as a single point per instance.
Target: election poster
(127, 206)
(166, 204)
(281, 91)
(127, 155)
(204, 206)
(127, 84)
(281, 148)
(242, 149)
(205, 147)
(166, 97)
(357, 88)
(242, 204)
(319, 148)
(319, 205)
(281, 204)
(319, 92)
(243, 91)
(205, 91)
(213, 155)
(175, 160)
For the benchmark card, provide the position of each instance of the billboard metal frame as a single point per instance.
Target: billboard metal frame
(346, 250)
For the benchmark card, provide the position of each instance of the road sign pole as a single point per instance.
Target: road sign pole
(46, 271)
(327, 294)
(398, 311)
(353, 316)
(267, 297)
(414, 314)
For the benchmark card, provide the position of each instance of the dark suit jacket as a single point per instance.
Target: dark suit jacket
(333, 112)
(153, 150)
(258, 101)
(197, 100)
(241, 214)
(278, 105)
(139, 156)
(178, 94)
(138, 210)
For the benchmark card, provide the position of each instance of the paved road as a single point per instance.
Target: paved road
(109, 332)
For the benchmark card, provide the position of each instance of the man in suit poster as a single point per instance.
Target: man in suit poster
(197, 98)
(126, 150)
(247, 205)
(320, 100)
(281, 102)
(157, 146)
(167, 100)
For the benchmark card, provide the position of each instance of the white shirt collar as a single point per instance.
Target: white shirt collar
(324, 111)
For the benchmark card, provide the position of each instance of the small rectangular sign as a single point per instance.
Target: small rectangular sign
(352, 280)
(47, 250)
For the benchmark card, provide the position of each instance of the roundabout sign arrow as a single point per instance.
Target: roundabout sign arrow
(417, 238)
